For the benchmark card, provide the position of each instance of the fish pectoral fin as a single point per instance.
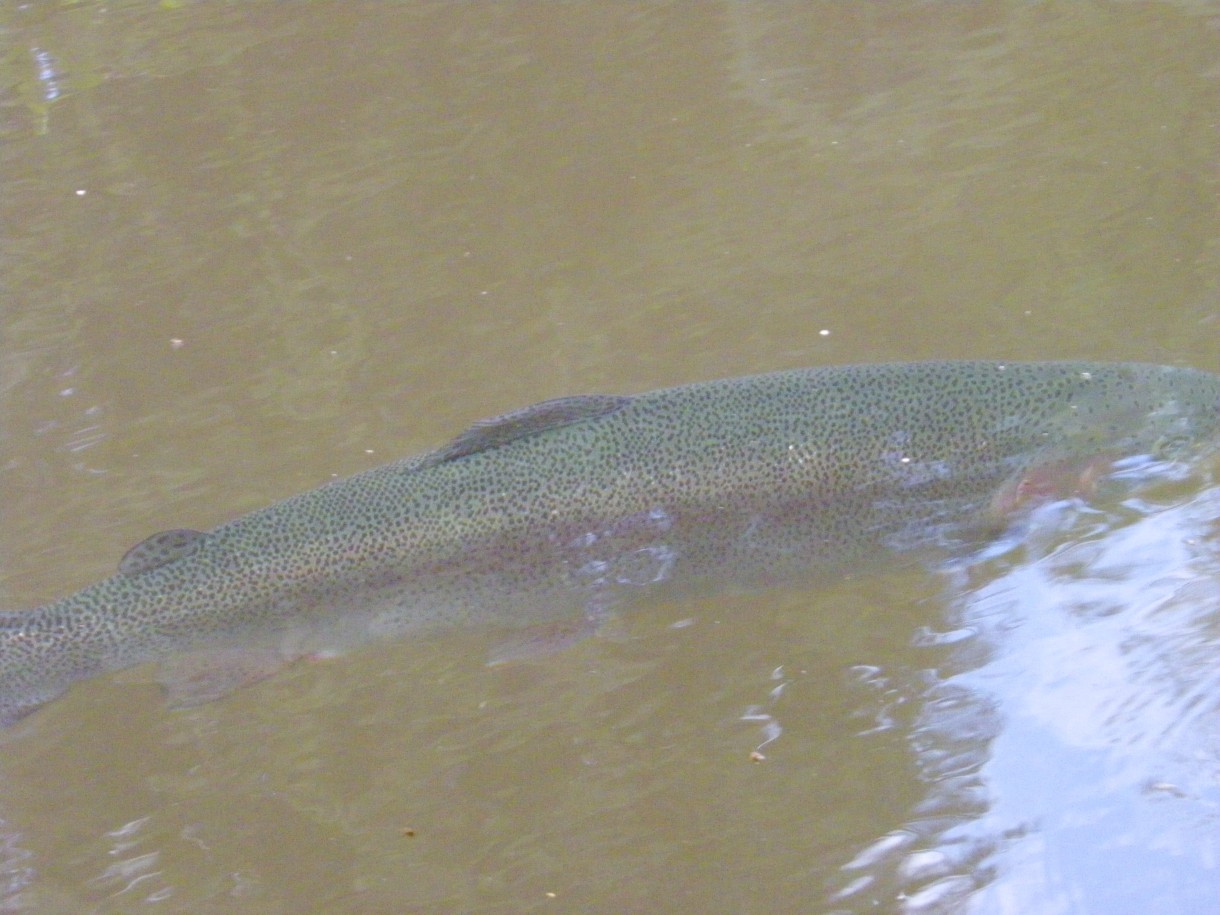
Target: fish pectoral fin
(1048, 481)
(160, 549)
(204, 676)
(498, 431)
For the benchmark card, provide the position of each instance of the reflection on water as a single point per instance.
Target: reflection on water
(1072, 759)
(16, 868)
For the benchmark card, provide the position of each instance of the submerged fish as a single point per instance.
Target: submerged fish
(573, 508)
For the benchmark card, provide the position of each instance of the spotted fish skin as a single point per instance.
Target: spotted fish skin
(575, 507)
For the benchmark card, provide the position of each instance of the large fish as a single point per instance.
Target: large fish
(572, 508)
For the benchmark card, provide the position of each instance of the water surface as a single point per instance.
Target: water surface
(248, 247)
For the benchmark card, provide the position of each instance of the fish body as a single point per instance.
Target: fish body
(575, 507)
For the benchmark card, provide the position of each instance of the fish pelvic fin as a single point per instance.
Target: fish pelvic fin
(201, 676)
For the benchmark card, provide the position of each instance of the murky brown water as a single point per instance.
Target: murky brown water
(250, 246)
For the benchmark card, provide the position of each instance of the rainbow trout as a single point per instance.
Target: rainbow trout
(574, 508)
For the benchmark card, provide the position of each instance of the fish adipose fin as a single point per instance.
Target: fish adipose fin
(160, 549)
(501, 430)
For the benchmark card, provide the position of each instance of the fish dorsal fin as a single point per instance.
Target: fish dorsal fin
(160, 549)
(498, 431)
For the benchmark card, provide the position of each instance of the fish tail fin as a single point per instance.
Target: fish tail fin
(22, 689)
